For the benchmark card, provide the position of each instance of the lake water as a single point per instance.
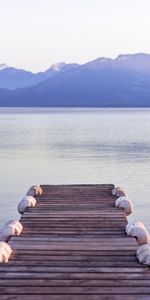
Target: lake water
(56, 146)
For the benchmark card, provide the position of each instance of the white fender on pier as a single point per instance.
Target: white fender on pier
(10, 228)
(125, 203)
(139, 231)
(34, 191)
(119, 192)
(27, 201)
(5, 252)
(143, 254)
(18, 225)
(114, 190)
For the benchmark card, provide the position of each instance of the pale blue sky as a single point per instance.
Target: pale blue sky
(37, 33)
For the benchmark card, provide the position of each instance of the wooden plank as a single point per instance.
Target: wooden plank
(84, 269)
(95, 253)
(74, 282)
(73, 263)
(72, 246)
(142, 276)
(87, 213)
(74, 297)
(74, 290)
(99, 240)
(38, 257)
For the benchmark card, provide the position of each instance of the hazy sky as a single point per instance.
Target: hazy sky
(37, 33)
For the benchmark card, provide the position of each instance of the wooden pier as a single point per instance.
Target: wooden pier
(74, 246)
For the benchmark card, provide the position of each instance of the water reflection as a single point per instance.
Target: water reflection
(74, 146)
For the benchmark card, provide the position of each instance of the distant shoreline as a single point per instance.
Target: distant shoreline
(67, 108)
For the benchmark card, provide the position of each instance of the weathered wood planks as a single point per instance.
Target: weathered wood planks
(74, 246)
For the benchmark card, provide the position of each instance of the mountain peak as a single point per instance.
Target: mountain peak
(138, 62)
(3, 66)
(123, 57)
(58, 66)
(99, 63)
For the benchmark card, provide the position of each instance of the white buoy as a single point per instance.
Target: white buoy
(143, 254)
(18, 225)
(27, 201)
(119, 192)
(5, 252)
(130, 226)
(35, 190)
(125, 203)
(9, 229)
(114, 190)
(139, 231)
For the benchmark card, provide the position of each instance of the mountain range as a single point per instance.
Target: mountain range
(103, 82)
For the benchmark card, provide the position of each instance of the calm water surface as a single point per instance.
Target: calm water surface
(57, 146)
